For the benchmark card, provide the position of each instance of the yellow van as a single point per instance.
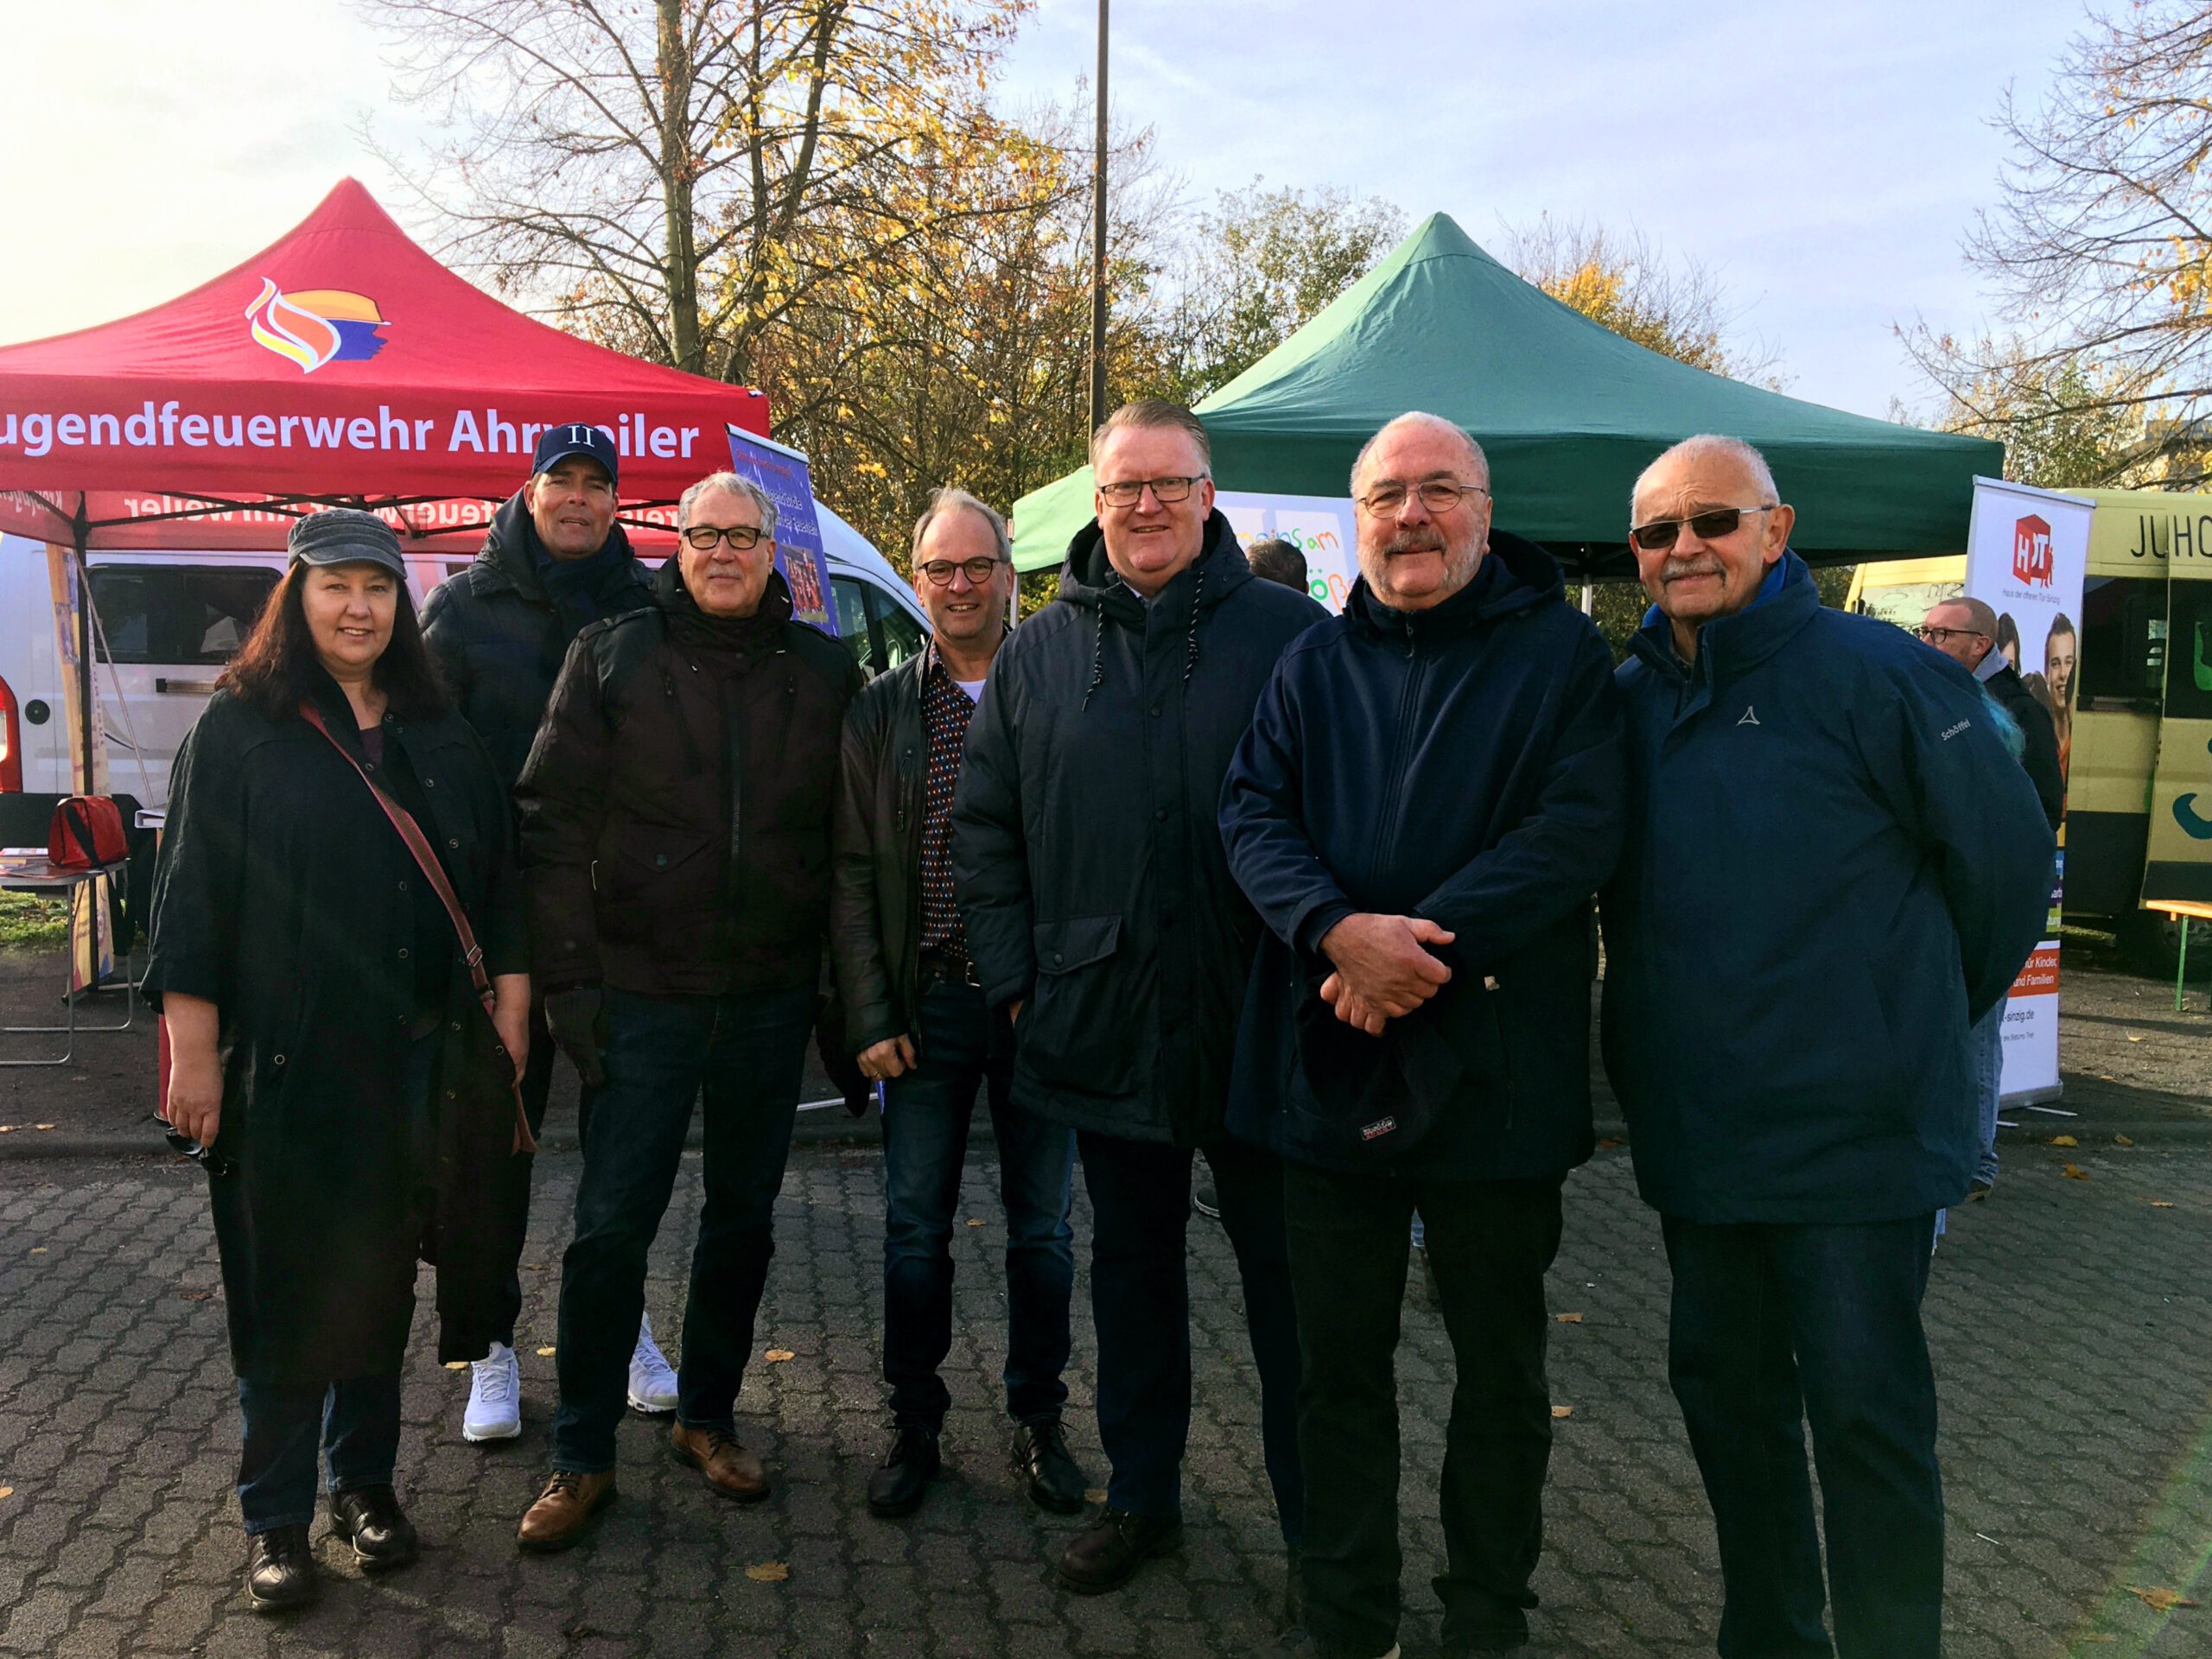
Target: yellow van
(2138, 735)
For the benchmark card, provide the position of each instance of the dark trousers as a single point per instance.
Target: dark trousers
(355, 1424)
(746, 1054)
(1140, 1304)
(1775, 1326)
(1490, 1244)
(513, 1201)
(964, 1045)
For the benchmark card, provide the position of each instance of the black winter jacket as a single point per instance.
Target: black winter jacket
(1466, 764)
(676, 806)
(499, 639)
(875, 902)
(2040, 753)
(283, 897)
(1086, 845)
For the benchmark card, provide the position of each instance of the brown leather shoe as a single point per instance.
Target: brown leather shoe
(729, 1468)
(564, 1509)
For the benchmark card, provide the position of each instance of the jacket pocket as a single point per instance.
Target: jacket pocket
(655, 877)
(1076, 1033)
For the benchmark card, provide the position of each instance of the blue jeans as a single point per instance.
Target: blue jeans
(961, 1045)
(1776, 1326)
(1141, 1304)
(747, 1054)
(1985, 1042)
(356, 1423)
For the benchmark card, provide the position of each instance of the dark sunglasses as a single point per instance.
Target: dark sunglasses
(213, 1162)
(1659, 535)
(702, 537)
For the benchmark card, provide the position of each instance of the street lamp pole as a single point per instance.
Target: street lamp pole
(1098, 244)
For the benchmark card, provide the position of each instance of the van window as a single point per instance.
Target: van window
(900, 633)
(2123, 641)
(851, 624)
(2188, 676)
(178, 615)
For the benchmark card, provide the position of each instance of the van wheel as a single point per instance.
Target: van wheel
(2150, 943)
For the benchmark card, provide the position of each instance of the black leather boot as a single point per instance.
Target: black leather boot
(1106, 1553)
(280, 1570)
(1040, 1458)
(383, 1537)
(902, 1479)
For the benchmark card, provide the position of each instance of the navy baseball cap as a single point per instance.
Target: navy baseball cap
(557, 443)
(346, 536)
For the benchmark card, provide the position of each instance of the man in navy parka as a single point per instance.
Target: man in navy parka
(1431, 792)
(1833, 866)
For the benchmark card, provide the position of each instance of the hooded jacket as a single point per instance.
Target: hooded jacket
(499, 637)
(1086, 850)
(1465, 764)
(1832, 865)
(675, 807)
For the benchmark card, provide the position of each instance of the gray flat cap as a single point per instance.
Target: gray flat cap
(347, 536)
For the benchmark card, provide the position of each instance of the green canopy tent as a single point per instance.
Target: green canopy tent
(1568, 412)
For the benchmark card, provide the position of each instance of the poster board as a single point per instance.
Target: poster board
(1319, 526)
(2027, 554)
(782, 473)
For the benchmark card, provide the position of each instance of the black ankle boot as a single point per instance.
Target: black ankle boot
(902, 1480)
(280, 1570)
(382, 1537)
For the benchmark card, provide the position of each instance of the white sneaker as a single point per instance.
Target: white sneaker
(494, 1397)
(652, 1379)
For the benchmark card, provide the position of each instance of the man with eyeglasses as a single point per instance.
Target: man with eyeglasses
(1834, 865)
(1429, 796)
(676, 814)
(554, 561)
(1099, 910)
(917, 1019)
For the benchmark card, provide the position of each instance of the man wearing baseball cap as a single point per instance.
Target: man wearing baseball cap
(553, 562)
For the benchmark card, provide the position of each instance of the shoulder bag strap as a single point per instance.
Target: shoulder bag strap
(433, 873)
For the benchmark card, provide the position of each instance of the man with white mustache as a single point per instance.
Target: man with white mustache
(1430, 793)
(1832, 865)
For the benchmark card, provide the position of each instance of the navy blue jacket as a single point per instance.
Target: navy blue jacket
(1832, 865)
(1085, 852)
(1464, 764)
(500, 640)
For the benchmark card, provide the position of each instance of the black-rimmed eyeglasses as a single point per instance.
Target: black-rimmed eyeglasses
(1941, 637)
(978, 571)
(206, 1157)
(1127, 492)
(702, 537)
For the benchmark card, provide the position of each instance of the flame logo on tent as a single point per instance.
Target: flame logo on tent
(324, 325)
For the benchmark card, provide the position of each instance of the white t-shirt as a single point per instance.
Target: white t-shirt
(973, 688)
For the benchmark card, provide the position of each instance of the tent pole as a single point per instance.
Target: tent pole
(1589, 599)
(80, 536)
(1098, 245)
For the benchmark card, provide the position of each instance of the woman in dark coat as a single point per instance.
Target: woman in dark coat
(327, 1050)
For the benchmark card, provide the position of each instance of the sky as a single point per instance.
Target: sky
(1824, 160)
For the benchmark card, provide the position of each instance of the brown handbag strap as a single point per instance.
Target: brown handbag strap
(433, 873)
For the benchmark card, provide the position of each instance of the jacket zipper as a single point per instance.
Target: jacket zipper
(1393, 779)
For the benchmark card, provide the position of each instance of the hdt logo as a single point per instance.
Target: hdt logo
(2031, 554)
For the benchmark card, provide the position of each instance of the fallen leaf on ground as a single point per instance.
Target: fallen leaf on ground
(768, 1572)
(2075, 1173)
(777, 1355)
(974, 1221)
(533, 1267)
(2162, 1204)
(42, 1126)
(195, 1295)
(2160, 1598)
(456, 1365)
(1610, 1143)
(2121, 1141)
(546, 1353)
(7, 1492)
(1562, 1411)
(1096, 1495)
(2063, 1141)
(38, 1250)
(7, 1128)
(1568, 1319)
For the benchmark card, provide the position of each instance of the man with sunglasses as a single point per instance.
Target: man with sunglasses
(1429, 795)
(1834, 865)
(917, 1019)
(553, 562)
(675, 849)
(1099, 911)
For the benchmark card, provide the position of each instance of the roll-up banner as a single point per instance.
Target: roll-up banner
(1319, 526)
(2027, 552)
(782, 473)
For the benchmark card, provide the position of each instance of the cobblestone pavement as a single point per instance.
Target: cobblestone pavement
(2068, 1315)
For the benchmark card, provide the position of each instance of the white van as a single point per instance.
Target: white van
(171, 620)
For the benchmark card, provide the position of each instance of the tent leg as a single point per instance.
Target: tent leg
(81, 537)
(1589, 599)
(2181, 970)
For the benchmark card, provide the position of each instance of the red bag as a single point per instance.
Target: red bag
(87, 833)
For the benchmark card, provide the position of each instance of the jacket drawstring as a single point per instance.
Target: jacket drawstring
(1197, 587)
(1097, 656)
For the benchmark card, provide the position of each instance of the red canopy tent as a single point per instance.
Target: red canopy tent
(341, 365)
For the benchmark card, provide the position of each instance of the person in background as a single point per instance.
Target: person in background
(1965, 630)
(328, 1055)
(917, 1020)
(1832, 867)
(1099, 911)
(553, 562)
(676, 815)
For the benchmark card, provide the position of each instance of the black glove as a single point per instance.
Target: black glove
(573, 1018)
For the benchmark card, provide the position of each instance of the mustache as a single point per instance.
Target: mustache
(1675, 569)
(1422, 540)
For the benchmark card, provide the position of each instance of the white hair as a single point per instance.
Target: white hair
(1712, 443)
(730, 484)
(1435, 422)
